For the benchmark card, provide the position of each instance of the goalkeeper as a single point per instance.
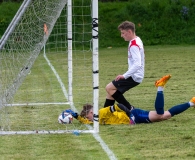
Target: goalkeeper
(119, 114)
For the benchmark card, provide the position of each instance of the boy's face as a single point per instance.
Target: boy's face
(126, 34)
(89, 116)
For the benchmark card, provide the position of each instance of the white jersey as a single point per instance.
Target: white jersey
(136, 60)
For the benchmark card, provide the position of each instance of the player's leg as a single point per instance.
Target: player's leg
(154, 117)
(181, 107)
(114, 94)
(109, 99)
(116, 89)
(158, 115)
(159, 101)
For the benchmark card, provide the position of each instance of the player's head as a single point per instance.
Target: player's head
(126, 25)
(127, 30)
(87, 112)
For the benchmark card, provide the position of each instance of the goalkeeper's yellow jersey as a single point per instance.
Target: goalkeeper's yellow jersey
(108, 117)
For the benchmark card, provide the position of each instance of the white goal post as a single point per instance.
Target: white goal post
(32, 49)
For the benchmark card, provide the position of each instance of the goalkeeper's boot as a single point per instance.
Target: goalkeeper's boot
(162, 81)
(193, 101)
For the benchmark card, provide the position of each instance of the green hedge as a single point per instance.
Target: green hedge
(157, 21)
(7, 12)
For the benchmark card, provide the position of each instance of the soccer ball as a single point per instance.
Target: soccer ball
(65, 118)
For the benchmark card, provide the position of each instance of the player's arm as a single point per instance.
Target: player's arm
(83, 120)
(78, 117)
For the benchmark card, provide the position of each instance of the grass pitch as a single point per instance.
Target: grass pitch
(169, 140)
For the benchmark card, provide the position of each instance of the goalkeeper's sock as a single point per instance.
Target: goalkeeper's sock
(159, 102)
(160, 88)
(118, 96)
(179, 108)
(109, 102)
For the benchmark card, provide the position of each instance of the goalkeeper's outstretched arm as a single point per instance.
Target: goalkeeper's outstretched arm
(83, 120)
(79, 117)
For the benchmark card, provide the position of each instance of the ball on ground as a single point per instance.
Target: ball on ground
(65, 118)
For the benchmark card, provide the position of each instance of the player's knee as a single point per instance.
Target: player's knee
(166, 116)
(163, 117)
(159, 117)
(109, 87)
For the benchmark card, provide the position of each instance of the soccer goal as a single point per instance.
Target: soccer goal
(49, 63)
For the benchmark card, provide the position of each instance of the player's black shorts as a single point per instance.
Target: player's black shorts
(124, 85)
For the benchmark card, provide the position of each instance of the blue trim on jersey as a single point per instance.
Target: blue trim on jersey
(141, 116)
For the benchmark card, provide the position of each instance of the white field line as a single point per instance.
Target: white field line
(95, 135)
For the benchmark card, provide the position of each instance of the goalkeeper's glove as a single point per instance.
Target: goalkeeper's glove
(75, 115)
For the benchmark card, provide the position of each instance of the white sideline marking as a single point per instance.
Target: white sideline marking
(95, 135)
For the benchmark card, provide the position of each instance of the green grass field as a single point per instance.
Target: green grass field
(168, 140)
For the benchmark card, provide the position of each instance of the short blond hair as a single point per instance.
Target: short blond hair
(126, 25)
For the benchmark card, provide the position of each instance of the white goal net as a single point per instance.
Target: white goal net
(49, 63)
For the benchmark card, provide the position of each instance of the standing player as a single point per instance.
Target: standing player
(135, 73)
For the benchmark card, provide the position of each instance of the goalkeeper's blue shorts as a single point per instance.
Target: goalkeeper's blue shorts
(140, 116)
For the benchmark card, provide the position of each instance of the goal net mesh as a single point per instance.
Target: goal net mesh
(34, 83)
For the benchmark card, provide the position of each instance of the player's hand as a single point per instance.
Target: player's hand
(75, 115)
(119, 77)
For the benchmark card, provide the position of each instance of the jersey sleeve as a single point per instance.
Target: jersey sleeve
(84, 120)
